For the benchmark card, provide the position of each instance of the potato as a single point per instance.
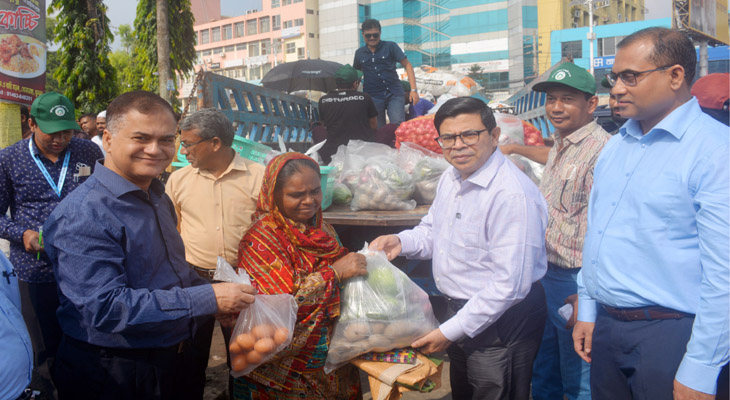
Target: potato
(239, 363)
(377, 328)
(356, 331)
(263, 331)
(379, 343)
(264, 345)
(245, 341)
(254, 357)
(281, 335)
(399, 329)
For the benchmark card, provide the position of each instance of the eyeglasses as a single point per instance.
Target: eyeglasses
(371, 35)
(630, 78)
(189, 145)
(469, 138)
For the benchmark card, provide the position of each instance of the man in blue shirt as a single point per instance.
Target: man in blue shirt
(16, 363)
(35, 175)
(653, 291)
(129, 302)
(377, 60)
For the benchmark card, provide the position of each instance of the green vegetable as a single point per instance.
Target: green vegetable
(342, 194)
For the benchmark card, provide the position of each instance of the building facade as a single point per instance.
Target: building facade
(246, 47)
(556, 15)
(497, 36)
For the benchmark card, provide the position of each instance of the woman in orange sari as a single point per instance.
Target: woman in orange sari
(289, 249)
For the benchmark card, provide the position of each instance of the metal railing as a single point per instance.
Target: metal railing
(259, 114)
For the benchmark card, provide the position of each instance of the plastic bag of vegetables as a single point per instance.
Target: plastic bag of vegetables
(263, 329)
(426, 176)
(380, 312)
(341, 194)
(381, 185)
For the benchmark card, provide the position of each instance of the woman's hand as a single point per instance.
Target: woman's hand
(353, 264)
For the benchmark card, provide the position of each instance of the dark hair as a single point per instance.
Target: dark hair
(370, 24)
(141, 101)
(344, 84)
(211, 123)
(465, 105)
(24, 111)
(671, 47)
(89, 115)
(292, 167)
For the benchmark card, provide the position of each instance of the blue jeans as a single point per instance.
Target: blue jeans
(395, 105)
(558, 370)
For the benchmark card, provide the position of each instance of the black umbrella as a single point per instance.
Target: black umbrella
(302, 75)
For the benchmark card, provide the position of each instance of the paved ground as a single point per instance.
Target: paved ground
(217, 377)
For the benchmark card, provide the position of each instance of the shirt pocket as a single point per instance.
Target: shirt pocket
(465, 240)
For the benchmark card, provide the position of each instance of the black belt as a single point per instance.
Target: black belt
(148, 353)
(27, 394)
(205, 273)
(645, 313)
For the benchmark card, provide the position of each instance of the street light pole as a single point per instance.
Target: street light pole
(591, 34)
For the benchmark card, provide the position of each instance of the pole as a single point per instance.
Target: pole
(703, 58)
(591, 35)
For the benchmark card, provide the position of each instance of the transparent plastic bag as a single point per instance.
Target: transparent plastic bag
(383, 311)
(381, 185)
(426, 175)
(263, 329)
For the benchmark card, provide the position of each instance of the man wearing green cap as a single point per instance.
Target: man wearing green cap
(35, 175)
(346, 113)
(570, 103)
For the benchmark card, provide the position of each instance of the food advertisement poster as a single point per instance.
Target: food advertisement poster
(22, 50)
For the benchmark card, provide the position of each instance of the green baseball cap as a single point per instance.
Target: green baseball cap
(53, 113)
(348, 74)
(604, 83)
(571, 75)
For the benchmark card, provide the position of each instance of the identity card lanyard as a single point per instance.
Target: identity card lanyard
(61, 178)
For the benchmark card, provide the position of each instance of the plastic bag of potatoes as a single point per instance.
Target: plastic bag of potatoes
(382, 311)
(263, 329)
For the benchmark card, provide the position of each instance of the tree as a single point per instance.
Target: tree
(51, 57)
(121, 59)
(181, 39)
(163, 49)
(84, 72)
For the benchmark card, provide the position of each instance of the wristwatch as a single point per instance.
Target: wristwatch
(414, 90)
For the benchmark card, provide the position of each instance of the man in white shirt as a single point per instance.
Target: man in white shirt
(485, 233)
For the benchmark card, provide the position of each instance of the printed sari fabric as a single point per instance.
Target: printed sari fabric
(284, 256)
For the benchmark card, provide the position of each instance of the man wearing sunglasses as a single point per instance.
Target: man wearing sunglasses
(485, 233)
(377, 60)
(214, 198)
(653, 290)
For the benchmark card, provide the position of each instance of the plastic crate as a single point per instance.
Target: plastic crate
(254, 151)
(328, 185)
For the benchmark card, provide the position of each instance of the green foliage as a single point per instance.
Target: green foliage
(182, 44)
(51, 57)
(84, 73)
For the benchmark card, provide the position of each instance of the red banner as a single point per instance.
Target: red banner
(22, 50)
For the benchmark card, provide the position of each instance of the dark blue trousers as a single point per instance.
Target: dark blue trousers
(638, 359)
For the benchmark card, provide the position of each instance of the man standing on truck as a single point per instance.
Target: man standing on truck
(377, 60)
(214, 198)
(485, 233)
(346, 113)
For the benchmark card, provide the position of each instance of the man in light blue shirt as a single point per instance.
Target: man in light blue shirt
(653, 292)
(16, 363)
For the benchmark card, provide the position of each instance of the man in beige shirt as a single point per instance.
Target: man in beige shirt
(214, 198)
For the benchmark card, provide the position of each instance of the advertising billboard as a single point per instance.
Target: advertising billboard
(22, 50)
(708, 18)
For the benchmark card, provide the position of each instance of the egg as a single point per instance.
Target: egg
(246, 341)
(254, 357)
(263, 331)
(265, 345)
(281, 335)
(235, 348)
(239, 363)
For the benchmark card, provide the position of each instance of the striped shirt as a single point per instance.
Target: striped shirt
(566, 184)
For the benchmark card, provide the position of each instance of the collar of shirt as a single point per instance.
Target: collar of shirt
(238, 163)
(578, 135)
(119, 186)
(37, 150)
(485, 174)
(675, 123)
